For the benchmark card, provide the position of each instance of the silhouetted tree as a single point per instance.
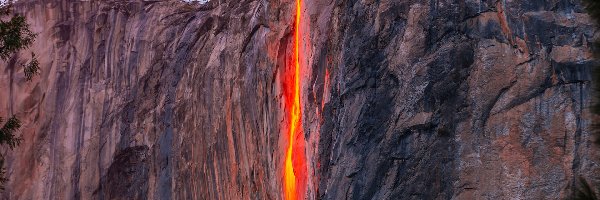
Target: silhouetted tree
(15, 35)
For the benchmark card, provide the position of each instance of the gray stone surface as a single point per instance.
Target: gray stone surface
(457, 99)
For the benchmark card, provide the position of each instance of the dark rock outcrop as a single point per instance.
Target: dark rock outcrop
(457, 99)
(127, 176)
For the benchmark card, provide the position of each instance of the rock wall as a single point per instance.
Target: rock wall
(150, 100)
(457, 99)
(400, 99)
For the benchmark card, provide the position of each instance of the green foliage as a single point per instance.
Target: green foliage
(15, 35)
(7, 132)
(31, 68)
(3, 178)
(8, 137)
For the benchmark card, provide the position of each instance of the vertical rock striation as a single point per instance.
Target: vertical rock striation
(415, 99)
(151, 100)
(456, 99)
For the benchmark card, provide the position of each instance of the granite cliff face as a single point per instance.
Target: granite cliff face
(406, 99)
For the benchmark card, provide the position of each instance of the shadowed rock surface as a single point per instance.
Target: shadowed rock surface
(401, 99)
(457, 99)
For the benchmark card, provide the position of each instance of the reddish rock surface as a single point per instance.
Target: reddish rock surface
(400, 99)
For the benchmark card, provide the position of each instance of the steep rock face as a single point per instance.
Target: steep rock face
(415, 99)
(457, 99)
(155, 99)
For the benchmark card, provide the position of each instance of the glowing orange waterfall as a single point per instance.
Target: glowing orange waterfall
(294, 173)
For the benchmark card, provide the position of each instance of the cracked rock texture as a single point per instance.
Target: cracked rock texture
(401, 99)
(457, 99)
